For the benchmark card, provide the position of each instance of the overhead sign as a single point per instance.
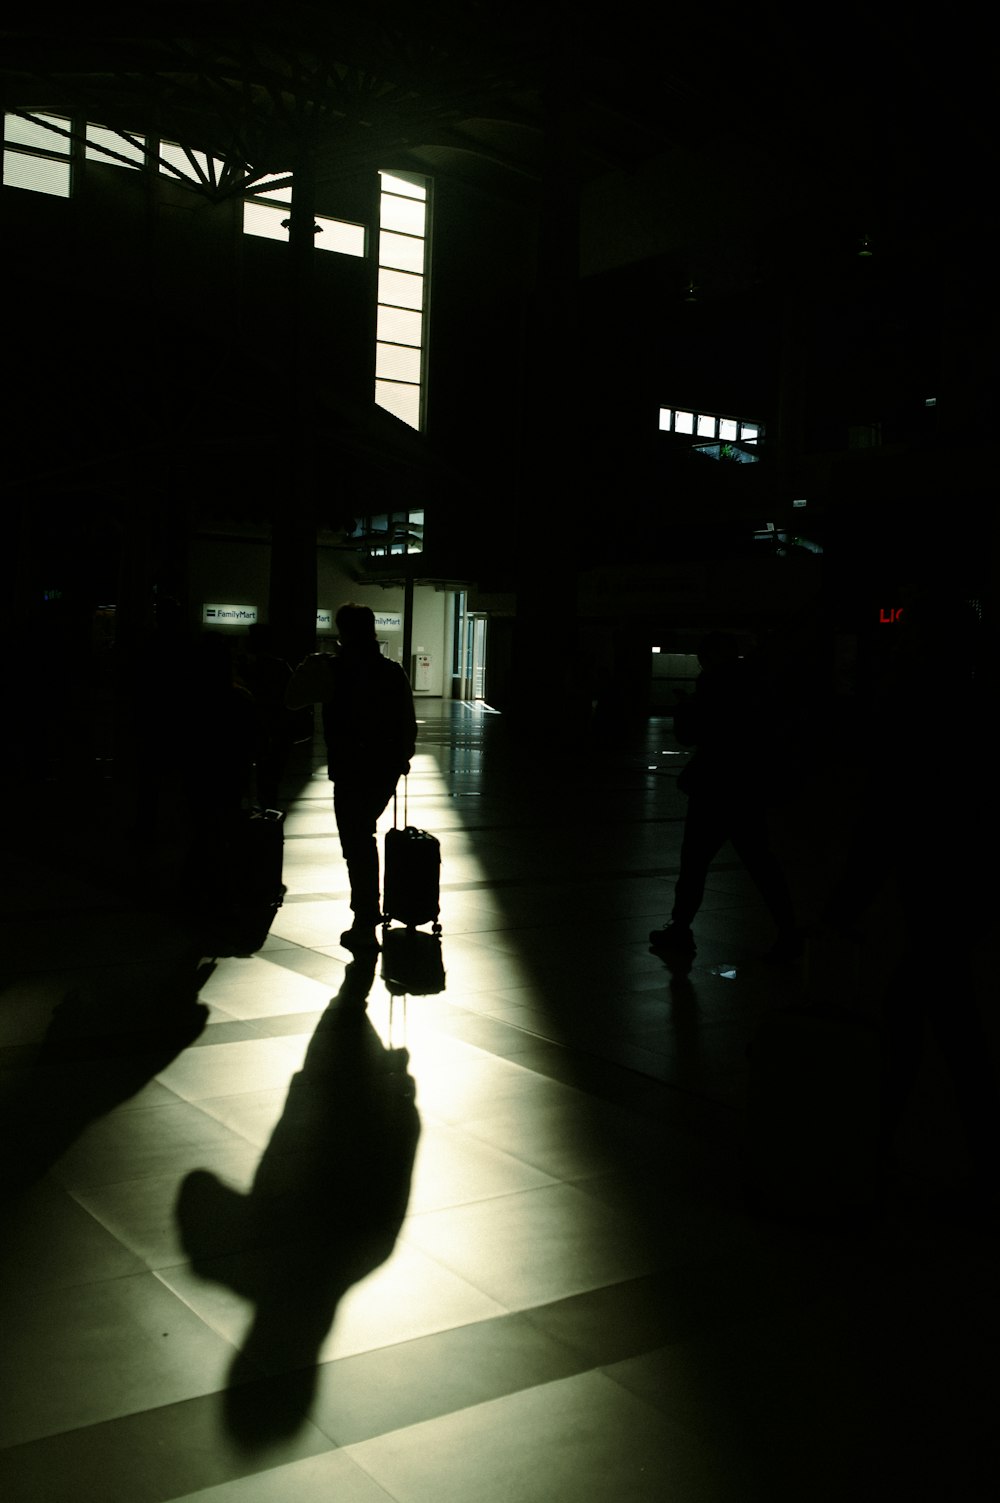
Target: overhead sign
(229, 615)
(246, 615)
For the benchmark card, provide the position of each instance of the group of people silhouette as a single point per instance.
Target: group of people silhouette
(734, 721)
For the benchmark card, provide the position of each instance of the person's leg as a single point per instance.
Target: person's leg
(704, 836)
(357, 804)
(752, 843)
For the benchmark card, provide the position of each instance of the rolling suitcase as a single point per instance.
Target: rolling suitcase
(257, 857)
(412, 880)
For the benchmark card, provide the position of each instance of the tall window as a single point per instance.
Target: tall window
(36, 154)
(402, 297)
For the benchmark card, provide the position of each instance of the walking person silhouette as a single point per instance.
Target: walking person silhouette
(725, 719)
(370, 730)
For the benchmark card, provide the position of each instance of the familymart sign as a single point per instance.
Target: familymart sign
(246, 615)
(229, 615)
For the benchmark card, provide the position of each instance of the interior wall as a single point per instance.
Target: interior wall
(227, 571)
(431, 636)
(336, 584)
(234, 572)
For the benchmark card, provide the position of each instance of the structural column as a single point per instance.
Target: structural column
(292, 596)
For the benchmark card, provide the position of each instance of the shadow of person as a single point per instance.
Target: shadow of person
(99, 1050)
(324, 1210)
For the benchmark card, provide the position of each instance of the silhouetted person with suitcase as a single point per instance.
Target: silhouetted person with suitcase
(725, 719)
(370, 730)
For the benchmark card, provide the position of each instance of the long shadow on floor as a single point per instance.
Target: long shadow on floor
(324, 1210)
(98, 1051)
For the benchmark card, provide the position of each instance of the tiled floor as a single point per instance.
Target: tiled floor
(241, 1264)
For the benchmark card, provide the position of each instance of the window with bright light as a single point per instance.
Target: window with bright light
(189, 165)
(115, 148)
(709, 425)
(36, 154)
(341, 236)
(267, 211)
(402, 291)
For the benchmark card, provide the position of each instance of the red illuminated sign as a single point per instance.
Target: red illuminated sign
(890, 616)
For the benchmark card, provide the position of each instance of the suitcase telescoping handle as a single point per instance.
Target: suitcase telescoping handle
(406, 812)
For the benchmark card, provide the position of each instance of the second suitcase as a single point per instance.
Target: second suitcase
(256, 852)
(412, 880)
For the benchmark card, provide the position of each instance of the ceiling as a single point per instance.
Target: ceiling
(855, 107)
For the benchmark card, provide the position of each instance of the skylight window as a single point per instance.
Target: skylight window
(190, 165)
(268, 221)
(115, 148)
(340, 236)
(36, 154)
(709, 425)
(267, 214)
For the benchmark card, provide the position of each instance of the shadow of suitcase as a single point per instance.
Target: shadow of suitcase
(412, 963)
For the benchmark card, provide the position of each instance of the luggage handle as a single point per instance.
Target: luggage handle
(395, 798)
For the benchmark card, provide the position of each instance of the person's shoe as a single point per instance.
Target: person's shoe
(360, 937)
(672, 939)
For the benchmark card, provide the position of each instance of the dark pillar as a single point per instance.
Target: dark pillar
(552, 473)
(292, 603)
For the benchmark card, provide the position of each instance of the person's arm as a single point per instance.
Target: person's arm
(310, 682)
